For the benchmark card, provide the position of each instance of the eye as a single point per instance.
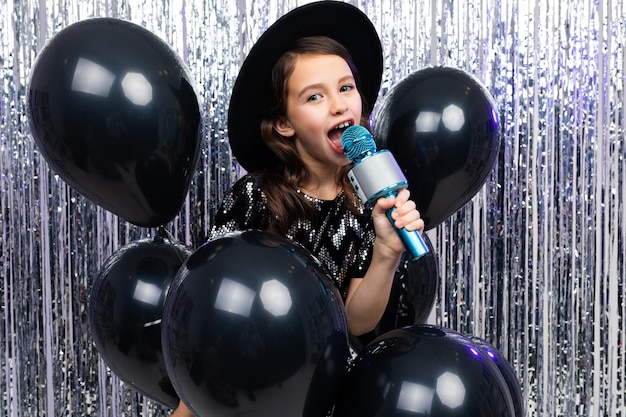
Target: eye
(346, 88)
(314, 97)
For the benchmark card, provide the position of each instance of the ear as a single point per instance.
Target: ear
(284, 128)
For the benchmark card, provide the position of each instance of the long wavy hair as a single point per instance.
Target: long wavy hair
(280, 183)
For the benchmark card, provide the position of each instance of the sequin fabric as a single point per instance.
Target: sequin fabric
(341, 240)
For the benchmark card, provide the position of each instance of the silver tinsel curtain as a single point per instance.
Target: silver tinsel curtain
(535, 263)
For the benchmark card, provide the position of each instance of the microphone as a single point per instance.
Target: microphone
(375, 175)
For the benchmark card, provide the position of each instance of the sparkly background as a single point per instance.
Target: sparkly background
(534, 264)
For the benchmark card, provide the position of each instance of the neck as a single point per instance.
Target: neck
(324, 187)
(322, 193)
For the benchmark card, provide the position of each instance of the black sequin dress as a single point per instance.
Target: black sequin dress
(340, 239)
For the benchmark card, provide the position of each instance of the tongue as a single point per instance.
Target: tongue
(335, 139)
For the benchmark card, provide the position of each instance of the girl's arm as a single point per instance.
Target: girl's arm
(368, 296)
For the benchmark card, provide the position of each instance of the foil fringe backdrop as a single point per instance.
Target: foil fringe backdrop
(535, 263)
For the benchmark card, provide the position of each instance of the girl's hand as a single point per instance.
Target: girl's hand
(405, 216)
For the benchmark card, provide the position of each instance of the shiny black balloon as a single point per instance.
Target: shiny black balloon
(126, 309)
(113, 111)
(442, 126)
(424, 371)
(254, 326)
(412, 297)
(507, 371)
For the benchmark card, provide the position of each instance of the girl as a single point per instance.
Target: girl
(297, 91)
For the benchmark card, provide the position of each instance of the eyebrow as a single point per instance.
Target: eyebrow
(319, 86)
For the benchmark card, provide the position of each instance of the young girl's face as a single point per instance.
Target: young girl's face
(322, 101)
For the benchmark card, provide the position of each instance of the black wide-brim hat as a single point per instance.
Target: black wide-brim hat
(337, 20)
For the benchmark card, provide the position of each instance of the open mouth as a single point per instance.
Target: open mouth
(335, 135)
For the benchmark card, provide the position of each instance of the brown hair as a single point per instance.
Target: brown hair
(281, 182)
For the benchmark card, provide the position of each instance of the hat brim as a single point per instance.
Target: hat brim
(337, 20)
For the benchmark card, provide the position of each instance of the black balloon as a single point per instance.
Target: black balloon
(424, 371)
(113, 111)
(253, 324)
(412, 296)
(442, 126)
(126, 310)
(507, 371)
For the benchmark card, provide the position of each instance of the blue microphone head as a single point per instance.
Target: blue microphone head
(357, 143)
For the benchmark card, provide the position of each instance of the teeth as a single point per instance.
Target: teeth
(343, 125)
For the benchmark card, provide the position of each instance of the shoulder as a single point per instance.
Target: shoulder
(244, 207)
(247, 181)
(247, 187)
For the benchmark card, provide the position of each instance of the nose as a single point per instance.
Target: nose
(339, 105)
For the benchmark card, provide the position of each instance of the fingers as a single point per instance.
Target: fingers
(406, 214)
(410, 223)
(397, 201)
(402, 197)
